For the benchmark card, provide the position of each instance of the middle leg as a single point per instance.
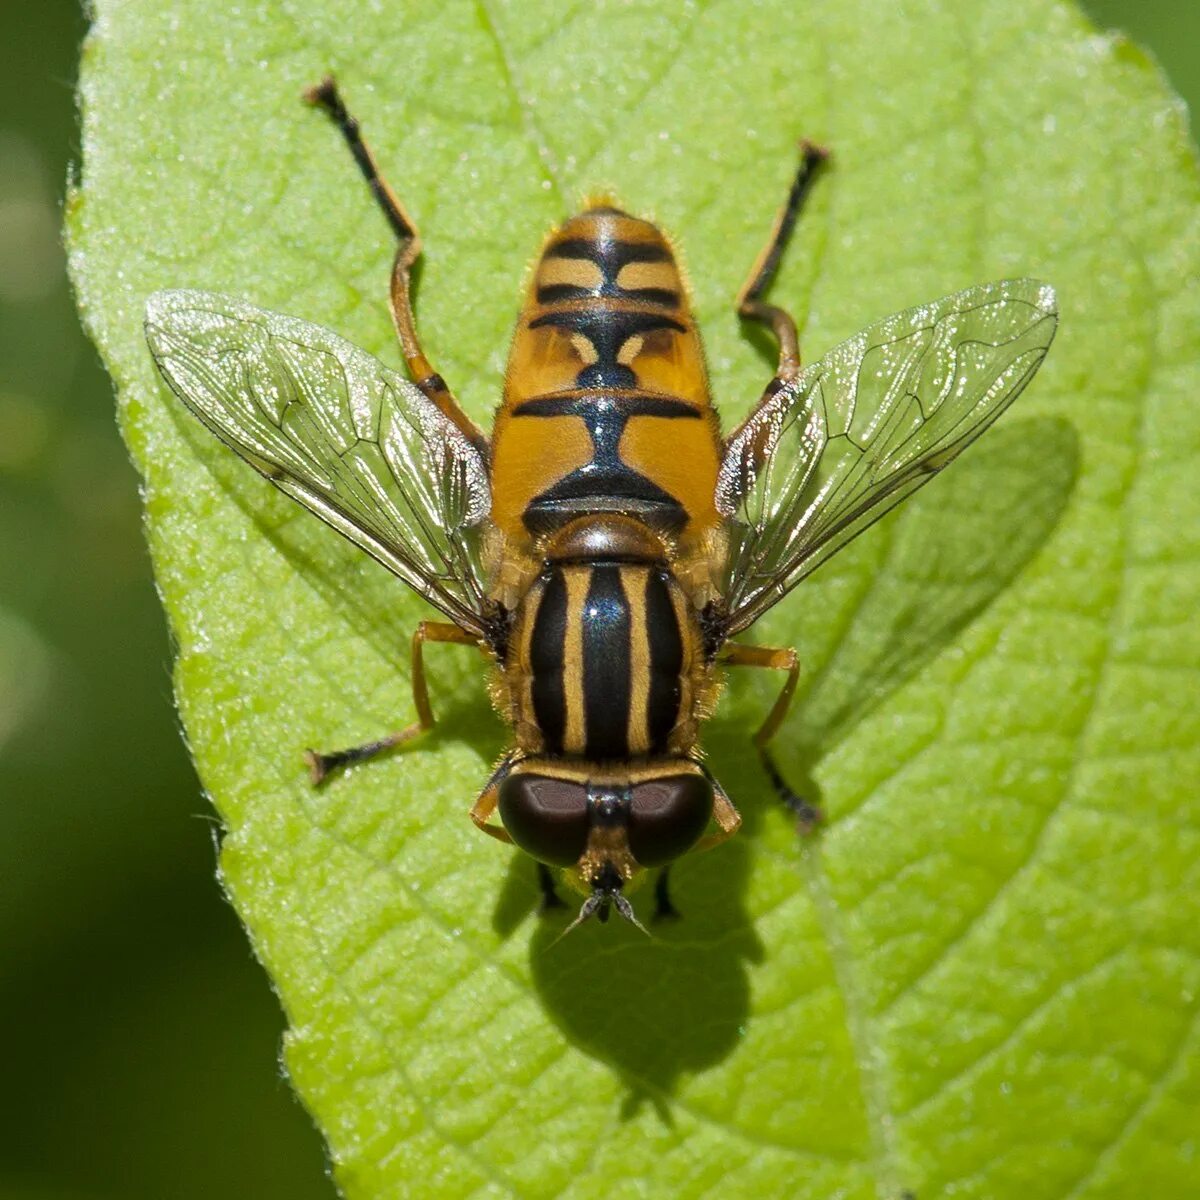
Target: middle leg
(319, 765)
(807, 815)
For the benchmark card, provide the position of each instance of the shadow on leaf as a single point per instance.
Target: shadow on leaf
(952, 551)
(656, 1007)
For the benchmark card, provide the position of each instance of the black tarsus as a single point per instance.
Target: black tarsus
(326, 95)
(808, 816)
(320, 765)
(664, 910)
(812, 157)
(550, 897)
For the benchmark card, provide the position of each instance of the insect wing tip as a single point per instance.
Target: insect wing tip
(158, 305)
(1047, 298)
(157, 316)
(162, 313)
(1037, 292)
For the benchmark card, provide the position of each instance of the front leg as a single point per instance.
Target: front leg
(485, 804)
(664, 910)
(550, 897)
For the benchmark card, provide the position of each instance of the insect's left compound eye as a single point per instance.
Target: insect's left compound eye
(667, 817)
(547, 817)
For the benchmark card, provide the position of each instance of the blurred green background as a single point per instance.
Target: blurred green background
(140, 1036)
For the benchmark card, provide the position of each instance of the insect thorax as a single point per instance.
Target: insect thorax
(605, 660)
(606, 405)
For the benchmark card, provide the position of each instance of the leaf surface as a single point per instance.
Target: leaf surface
(982, 978)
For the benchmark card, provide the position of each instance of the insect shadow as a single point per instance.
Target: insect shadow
(656, 1011)
(949, 556)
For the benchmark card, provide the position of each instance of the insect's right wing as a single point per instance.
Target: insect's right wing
(826, 455)
(335, 429)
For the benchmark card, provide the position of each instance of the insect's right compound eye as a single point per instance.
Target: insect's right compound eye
(667, 817)
(547, 817)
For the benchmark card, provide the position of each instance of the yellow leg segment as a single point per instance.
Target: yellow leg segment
(485, 806)
(807, 815)
(728, 819)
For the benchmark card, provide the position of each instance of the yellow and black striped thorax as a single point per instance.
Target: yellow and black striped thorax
(606, 405)
(605, 653)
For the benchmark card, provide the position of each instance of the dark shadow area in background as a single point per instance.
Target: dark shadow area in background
(163, 1051)
(141, 1038)
(657, 1010)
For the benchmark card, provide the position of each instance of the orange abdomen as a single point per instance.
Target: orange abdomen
(606, 404)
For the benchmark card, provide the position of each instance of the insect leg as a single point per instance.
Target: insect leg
(664, 910)
(326, 95)
(319, 765)
(725, 814)
(807, 815)
(485, 805)
(550, 897)
(749, 302)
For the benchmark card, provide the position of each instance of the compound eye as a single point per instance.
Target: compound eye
(667, 817)
(547, 817)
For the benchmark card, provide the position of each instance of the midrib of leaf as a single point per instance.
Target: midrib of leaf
(522, 106)
(870, 1057)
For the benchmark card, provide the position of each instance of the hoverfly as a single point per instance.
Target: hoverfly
(606, 545)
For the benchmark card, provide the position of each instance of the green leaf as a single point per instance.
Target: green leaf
(982, 978)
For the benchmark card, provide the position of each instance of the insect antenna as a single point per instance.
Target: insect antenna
(626, 910)
(599, 902)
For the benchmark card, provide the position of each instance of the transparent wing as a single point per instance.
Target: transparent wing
(865, 426)
(336, 430)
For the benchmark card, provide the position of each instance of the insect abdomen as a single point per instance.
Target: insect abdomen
(603, 660)
(606, 405)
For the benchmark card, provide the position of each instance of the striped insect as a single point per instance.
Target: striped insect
(606, 544)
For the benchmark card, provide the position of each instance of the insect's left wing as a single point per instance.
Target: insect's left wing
(865, 426)
(338, 431)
